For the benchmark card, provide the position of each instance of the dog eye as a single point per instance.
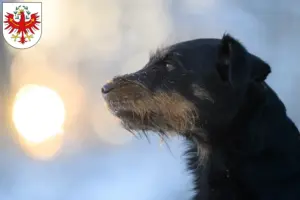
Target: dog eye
(169, 67)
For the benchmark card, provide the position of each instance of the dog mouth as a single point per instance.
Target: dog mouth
(126, 114)
(123, 103)
(133, 121)
(141, 110)
(132, 117)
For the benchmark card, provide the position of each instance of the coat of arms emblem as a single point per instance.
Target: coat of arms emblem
(22, 24)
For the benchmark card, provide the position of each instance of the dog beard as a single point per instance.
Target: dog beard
(161, 112)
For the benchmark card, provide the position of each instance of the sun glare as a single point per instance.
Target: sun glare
(38, 113)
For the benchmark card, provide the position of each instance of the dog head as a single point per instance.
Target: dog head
(187, 86)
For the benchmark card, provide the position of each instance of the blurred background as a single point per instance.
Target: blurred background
(86, 43)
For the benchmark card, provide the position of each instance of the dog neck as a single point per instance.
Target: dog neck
(233, 135)
(260, 128)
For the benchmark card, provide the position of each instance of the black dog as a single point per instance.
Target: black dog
(242, 145)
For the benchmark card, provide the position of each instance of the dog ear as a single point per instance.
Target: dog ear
(236, 66)
(231, 61)
(260, 69)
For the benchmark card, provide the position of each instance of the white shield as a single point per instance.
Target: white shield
(22, 24)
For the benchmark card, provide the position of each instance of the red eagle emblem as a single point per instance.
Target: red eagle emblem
(24, 26)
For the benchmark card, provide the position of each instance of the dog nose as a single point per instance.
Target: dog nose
(107, 87)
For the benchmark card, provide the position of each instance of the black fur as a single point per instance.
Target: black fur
(253, 148)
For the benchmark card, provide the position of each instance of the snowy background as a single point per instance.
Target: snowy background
(90, 41)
